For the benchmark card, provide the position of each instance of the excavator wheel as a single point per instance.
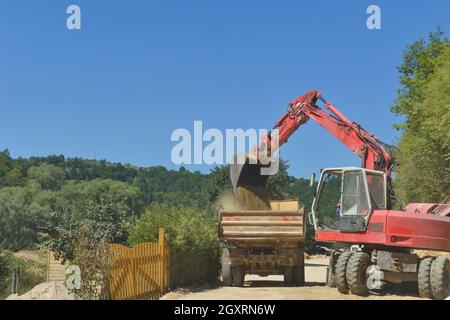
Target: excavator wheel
(238, 276)
(356, 273)
(440, 278)
(341, 272)
(423, 278)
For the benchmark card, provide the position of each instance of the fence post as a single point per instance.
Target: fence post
(15, 281)
(161, 264)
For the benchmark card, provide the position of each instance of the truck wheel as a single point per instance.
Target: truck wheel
(227, 276)
(341, 272)
(331, 269)
(288, 276)
(423, 278)
(440, 278)
(238, 276)
(299, 275)
(356, 273)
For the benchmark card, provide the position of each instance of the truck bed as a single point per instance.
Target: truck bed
(284, 223)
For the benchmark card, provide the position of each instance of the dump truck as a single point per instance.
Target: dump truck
(263, 242)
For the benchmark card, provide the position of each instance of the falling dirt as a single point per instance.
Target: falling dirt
(252, 198)
(226, 201)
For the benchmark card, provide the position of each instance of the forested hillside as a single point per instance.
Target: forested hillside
(36, 191)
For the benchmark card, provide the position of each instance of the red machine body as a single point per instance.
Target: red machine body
(396, 228)
(420, 226)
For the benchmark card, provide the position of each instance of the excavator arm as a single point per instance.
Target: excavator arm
(370, 149)
(373, 153)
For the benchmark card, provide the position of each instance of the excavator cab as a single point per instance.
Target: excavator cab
(346, 197)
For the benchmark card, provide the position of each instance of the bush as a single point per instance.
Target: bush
(31, 268)
(194, 247)
(92, 257)
(6, 265)
(108, 220)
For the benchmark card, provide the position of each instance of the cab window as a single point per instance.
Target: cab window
(377, 190)
(354, 199)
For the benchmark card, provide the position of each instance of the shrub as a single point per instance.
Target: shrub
(108, 220)
(194, 247)
(30, 271)
(92, 257)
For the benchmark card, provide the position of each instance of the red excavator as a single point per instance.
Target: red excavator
(382, 239)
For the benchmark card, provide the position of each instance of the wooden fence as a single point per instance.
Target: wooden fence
(56, 270)
(140, 273)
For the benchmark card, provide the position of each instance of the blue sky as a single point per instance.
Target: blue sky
(137, 70)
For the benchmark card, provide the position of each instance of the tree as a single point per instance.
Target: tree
(424, 101)
(48, 176)
(75, 193)
(278, 184)
(108, 220)
(17, 224)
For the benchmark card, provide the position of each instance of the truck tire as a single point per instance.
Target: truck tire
(341, 272)
(227, 276)
(331, 269)
(356, 273)
(423, 278)
(440, 278)
(288, 276)
(238, 276)
(299, 275)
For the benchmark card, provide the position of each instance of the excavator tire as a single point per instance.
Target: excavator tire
(440, 278)
(341, 272)
(423, 278)
(356, 273)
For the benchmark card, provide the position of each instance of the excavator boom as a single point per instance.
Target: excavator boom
(373, 153)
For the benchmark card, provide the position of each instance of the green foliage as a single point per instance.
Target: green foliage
(92, 257)
(17, 220)
(424, 101)
(48, 176)
(6, 267)
(74, 191)
(279, 183)
(194, 248)
(30, 270)
(108, 220)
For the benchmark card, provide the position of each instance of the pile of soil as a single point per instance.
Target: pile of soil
(45, 291)
(252, 198)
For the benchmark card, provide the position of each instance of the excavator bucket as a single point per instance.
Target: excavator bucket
(249, 185)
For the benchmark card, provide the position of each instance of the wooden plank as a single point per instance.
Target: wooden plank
(293, 223)
(245, 234)
(260, 213)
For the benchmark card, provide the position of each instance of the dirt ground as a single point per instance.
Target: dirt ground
(271, 287)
